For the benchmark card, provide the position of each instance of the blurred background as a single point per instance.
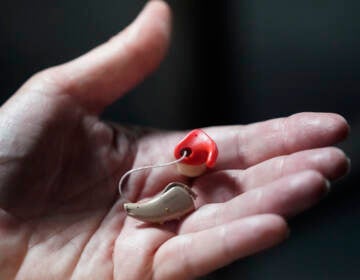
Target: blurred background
(230, 62)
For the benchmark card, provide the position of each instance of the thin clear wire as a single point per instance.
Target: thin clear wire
(128, 173)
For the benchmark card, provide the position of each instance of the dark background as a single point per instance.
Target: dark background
(230, 62)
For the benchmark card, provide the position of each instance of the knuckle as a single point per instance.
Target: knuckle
(51, 78)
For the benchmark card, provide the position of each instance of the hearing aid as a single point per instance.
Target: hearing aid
(195, 153)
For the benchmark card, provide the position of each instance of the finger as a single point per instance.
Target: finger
(286, 196)
(99, 77)
(331, 162)
(244, 146)
(220, 186)
(195, 254)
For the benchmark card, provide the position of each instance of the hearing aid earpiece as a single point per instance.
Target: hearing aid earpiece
(201, 151)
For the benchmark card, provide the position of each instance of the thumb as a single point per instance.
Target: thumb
(104, 74)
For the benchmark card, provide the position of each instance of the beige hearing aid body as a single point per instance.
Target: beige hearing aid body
(175, 201)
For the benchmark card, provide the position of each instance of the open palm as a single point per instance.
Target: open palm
(61, 216)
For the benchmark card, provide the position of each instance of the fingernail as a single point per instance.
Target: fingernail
(348, 165)
(327, 185)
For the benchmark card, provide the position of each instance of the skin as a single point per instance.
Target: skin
(60, 215)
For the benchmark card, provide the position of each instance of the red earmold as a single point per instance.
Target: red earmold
(200, 147)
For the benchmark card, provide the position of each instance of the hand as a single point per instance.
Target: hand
(60, 215)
